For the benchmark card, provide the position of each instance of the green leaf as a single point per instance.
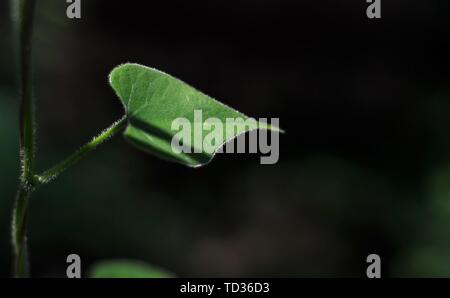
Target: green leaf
(127, 269)
(153, 100)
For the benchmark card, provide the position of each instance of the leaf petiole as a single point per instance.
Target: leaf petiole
(53, 172)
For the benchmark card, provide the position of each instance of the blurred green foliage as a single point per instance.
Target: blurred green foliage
(127, 269)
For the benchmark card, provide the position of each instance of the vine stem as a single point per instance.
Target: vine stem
(19, 233)
(25, 16)
(60, 167)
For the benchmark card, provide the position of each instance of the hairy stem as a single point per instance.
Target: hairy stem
(53, 172)
(25, 15)
(19, 233)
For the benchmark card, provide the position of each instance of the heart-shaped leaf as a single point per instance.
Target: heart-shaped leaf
(158, 104)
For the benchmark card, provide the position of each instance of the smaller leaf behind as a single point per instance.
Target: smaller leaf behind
(127, 269)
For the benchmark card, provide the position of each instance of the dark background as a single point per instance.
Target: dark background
(364, 165)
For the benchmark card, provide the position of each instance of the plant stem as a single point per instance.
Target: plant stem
(26, 16)
(53, 172)
(28, 180)
(25, 10)
(19, 233)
